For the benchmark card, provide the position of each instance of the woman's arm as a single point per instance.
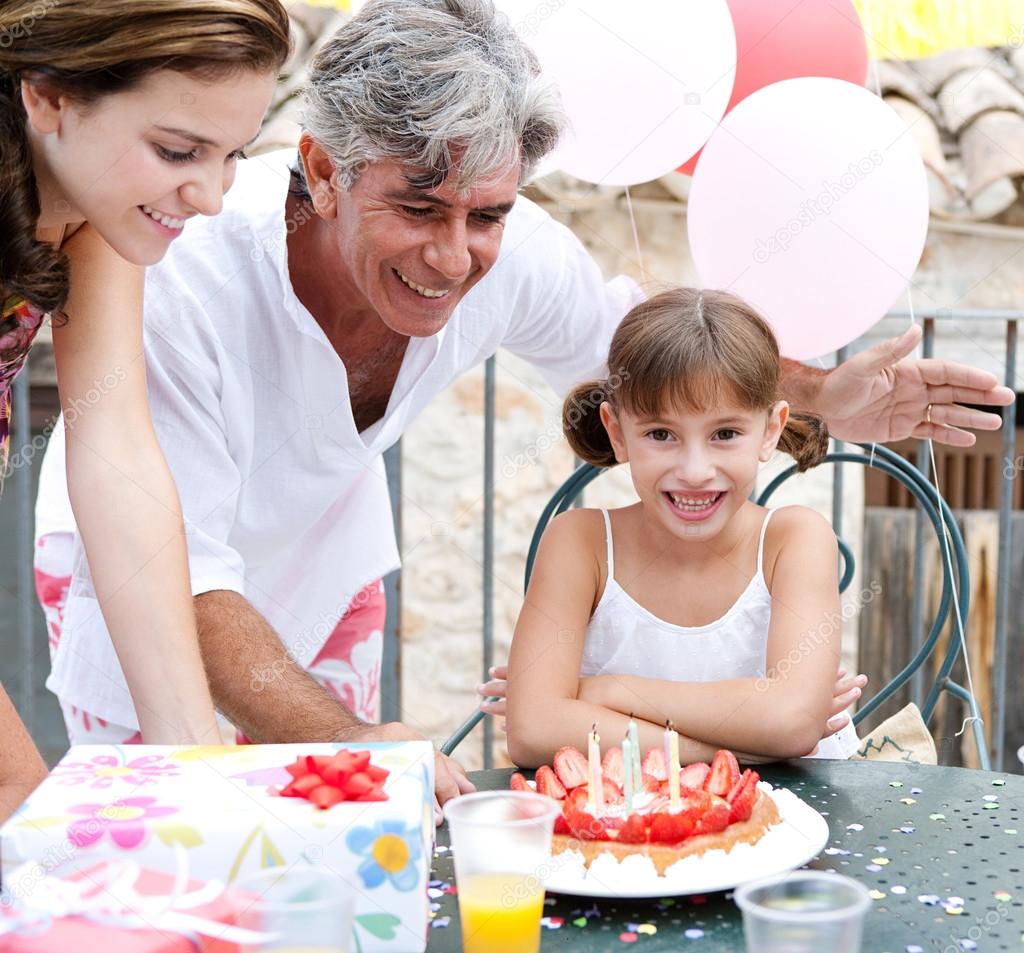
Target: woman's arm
(21, 768)
(782, 715)
(544, 712)
(124, 498)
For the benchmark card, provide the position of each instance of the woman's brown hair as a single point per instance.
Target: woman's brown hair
(693, 349)
(90, 49)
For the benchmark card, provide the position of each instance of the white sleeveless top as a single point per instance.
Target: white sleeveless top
(624, 638)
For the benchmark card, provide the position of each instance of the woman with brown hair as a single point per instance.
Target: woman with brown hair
(705, 609)
(119, 121)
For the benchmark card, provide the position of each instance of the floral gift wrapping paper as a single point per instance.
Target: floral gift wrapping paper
(218, 806)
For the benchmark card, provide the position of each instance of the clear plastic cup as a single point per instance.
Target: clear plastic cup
(807, 911)
(501, 843)
(300, 909)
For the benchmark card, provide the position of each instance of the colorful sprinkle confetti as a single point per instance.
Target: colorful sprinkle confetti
(628, 937)
(647, 929)
(874, 868)
(989, 806)
(998, 783)
(439, 923)
(579, 922)
(855, 827)
(552, 923)
(916, 791)
(954, 911)
(881, 860)
(434, 893)
(929, 899)
(1010, 830)
(907, 829)
(899, 890)
(908, 800)
(936, 817)
(915, 949)
(1002, 896)
(895, 784)
(694, 934)
(966, 944)
(876, 894)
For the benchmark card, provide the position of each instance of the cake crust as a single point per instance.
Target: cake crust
(663, 856)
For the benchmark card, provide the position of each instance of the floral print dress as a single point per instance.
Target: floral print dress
(19, 324)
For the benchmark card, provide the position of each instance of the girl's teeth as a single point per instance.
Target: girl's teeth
(694, 506)
(165, 220)
(419, 289)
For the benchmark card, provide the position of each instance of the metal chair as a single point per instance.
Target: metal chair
(955, 577)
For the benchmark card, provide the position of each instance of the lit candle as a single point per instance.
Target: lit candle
(627, 772)
(595, 790)
(638, 783)
(673, 768)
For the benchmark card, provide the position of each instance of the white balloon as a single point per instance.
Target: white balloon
(644, 85)
(811, 203)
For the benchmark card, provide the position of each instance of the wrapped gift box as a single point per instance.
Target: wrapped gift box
(142, 929)
(150, 803)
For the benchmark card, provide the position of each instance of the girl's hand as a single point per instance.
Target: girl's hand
(497, 688)
(846, 691)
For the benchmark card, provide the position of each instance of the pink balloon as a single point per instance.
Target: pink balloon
(786, 39)
(810, 202)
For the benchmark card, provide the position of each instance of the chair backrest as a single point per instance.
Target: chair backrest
(955, 578)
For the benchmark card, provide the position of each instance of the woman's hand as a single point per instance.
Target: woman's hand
(846, 691)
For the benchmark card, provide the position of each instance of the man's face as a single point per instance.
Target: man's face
(412, 254)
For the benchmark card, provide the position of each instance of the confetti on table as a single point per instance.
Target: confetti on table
(1010, 830)
(907, 829)
(915, 949)
(593, 911)
(450, 889)
(833, 851)
(955, 901)
(628, 937)
(966, 944)
(908, 800)
(880, 860)
(989, 806)
(579, 922)
(855, 827)
(632, 927)
(895, 784)
(441, 849)
(435, 883)
(929, 899)
(439, 923)
(991, 797)
(899, 890)
(916, 791)
(434, 906)
(874, 868)
(879, 849)
(954, 911)
(434, 893)
(552, 923)
(876, 894)
(647, 929)
(998, 783)
(694, 934)
(936, 817)
(1002, 896)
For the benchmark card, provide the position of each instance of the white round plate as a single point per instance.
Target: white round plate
(800, 837)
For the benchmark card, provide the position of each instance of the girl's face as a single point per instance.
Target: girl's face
(137, 165)
(694, 470)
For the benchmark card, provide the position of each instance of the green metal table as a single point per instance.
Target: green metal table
(940, 849)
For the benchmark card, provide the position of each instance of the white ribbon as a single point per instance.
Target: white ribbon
(109, 897)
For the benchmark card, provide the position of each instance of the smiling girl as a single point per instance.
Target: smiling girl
(680, 607)
(119, 121)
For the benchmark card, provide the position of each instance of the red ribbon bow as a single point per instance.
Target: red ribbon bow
(326, 780)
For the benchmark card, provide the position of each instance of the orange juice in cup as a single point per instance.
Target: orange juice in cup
(501, 843)
(500, 913)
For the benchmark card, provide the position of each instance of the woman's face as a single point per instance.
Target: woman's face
(137, 165)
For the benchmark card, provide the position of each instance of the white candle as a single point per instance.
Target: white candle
(673, 769)
(638, 781)
(627, 772)
(595, 790)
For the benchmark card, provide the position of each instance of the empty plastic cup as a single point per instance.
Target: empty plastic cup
(803, 912)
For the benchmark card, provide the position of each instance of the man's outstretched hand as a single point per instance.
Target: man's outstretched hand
(881, 395)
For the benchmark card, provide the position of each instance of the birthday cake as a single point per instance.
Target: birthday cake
(626, 808)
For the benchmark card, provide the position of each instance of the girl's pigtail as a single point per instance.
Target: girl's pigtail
(805, 438)
(581, 423)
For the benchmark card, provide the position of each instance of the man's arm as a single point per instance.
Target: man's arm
(258, 685)
(255, 681)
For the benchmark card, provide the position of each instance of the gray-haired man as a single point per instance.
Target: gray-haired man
(293, 338)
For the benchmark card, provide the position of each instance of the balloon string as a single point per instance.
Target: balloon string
(866, 7)
(636, 237)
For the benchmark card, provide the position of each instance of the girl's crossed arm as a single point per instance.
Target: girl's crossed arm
(545, 711)
(781, 715)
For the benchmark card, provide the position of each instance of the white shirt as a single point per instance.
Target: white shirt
(284, 501)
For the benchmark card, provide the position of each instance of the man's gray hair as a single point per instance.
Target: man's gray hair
(439, 85)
